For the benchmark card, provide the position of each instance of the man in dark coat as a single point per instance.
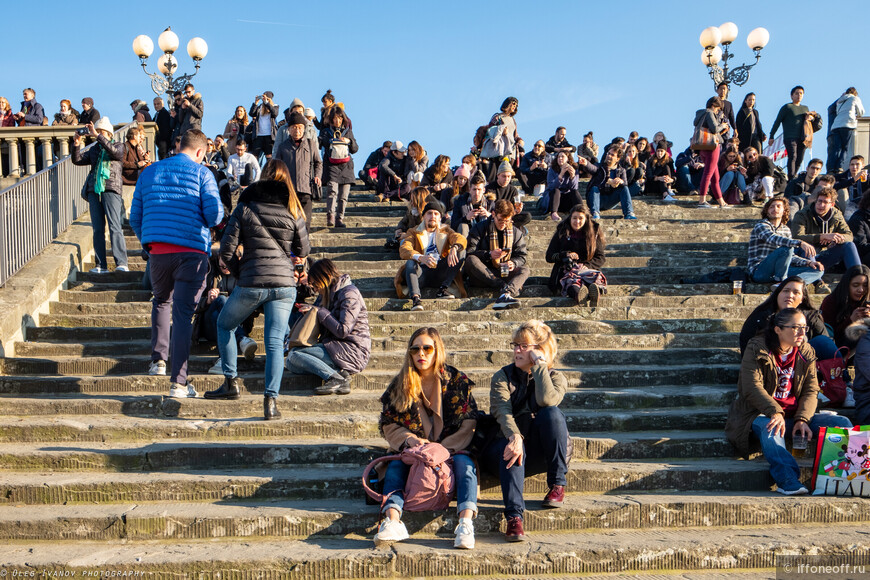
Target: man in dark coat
(303, 160)
(89, 114)
(727, 114)
(164, 127)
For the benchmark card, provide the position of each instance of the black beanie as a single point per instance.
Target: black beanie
(297, 119)
(436, 205)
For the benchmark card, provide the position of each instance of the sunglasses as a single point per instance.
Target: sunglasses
(426, 348)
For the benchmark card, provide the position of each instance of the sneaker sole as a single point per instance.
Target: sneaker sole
(222, 397)
(515, 538)
(551, 504)
(250, 351)
(380, 543)
(465, 546)
(179, 396)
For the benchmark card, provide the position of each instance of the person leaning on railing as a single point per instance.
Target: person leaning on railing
(103, 189)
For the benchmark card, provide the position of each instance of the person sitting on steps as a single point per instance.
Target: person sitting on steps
(578, 240)
(496, 255)
(472, 207)
(433, 254)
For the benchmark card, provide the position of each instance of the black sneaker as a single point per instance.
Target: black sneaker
(417, 305)
(338, 384)
(505, 301)
(594, 295)
(444, 293)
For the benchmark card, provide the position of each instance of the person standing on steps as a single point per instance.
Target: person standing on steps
(576, 246)
(269, 224)
(345, 341)
(496, 255)
(709, 119)
(104, 190)
(428, 401)
(533, 433)
(338, 141)
(433, 255)
(748, 128)
(175, 203)
(263, 113)
(777, 394)
(792, 116)
(302, 157)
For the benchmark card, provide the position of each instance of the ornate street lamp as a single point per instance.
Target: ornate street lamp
(713, 54)
(167, 64)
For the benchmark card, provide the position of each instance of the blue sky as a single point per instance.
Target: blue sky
(434, 72)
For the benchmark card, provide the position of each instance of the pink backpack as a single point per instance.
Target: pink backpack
(430, 484)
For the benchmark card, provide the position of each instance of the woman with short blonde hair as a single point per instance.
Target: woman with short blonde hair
(524, 399)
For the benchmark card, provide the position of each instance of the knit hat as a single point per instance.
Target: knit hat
(662, 145)
(436, 205)
(505, 167)
(462, 171)
(269, 94)
(297, 119)
(88, 101)
(104, 124)
(297, 103)
(309, 112)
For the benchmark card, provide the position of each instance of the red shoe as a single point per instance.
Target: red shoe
(514, 532)
(555, 497)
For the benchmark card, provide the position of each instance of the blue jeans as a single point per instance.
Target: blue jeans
(463, 471)
(839, 143)
(108, 207)
(209, 321)
(777, 267)
(277, 304)
(846, 252)
(545, 450)
(824, 346)
(783, 467)
(688, 180)
(728, 178)
(599, 202)
(311, 360)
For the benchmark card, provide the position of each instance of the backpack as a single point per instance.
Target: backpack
(338, 149)
(430, 484)
(780, 179)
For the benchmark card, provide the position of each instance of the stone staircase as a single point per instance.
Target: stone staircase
(99, 471)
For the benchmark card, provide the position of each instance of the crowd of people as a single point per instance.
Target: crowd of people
(225, 225)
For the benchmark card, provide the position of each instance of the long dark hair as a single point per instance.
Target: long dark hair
(841, 297)
(783, 317)
(322, 274)
(772, 301)
(592, 234)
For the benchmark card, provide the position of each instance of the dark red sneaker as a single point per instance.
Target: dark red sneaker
(555, 497)
(514, 532)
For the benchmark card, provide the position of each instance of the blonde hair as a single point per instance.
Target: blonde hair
(536, 332)
(277, 170)
(6, 101)
(407, 387)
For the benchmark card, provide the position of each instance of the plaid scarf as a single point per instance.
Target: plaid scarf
(508, 242)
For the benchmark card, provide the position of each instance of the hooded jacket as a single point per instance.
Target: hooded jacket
(269, 234)
(807, 225)
(756, 385)
(345, 326)
(849, 108)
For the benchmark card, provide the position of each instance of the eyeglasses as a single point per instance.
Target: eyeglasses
(426, 348)
(798, 328)
(523, 347)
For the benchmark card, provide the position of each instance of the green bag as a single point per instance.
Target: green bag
(842, 464)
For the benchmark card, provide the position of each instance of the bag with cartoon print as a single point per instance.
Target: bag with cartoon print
(842, 464)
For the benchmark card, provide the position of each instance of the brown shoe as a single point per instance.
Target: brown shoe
(514, 532)
(555, 497)
(330, 222)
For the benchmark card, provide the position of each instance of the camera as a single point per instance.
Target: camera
(299, 267)
(82, 131)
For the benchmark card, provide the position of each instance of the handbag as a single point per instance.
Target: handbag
(831, 380)
(842, 463)
(431, 483)
(704, 140)
(305, 331)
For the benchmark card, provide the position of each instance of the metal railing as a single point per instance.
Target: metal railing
(37, 209)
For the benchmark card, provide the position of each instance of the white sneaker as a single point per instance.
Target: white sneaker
(122, 269)
(216, 369)
(800, 490)
(849, 401)
(391, 531)
(669, 199)
(98, 270)
(176, 391)
(248, 346)
(464, 535)
(822, 398)
(157, 368)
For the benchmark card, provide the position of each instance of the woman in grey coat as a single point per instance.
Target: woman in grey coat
(103, 190)
(345, 341)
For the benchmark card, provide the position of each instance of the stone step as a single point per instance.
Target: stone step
(316, 520)
(691, 553)
(46, 348)
(343, 482)
(614, 399)
(172, 454)
(245, 420)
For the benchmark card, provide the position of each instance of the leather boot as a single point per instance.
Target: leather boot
(270, 409)
(229, 390)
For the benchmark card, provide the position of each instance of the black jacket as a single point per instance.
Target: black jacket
(341, 173)
(798, 185)
(462, 204)
(561, 245)
(859, 223)
(479, 244)
(164, 125)
(749, 129)
(507, 193)
(551, 145)
(91, 116)
(269, 235)
(600, 175)
(429, 177)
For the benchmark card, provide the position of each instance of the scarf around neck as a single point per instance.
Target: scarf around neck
(103, 171)
(508, 242)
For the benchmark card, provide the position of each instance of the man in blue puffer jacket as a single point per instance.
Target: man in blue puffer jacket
(175, 203)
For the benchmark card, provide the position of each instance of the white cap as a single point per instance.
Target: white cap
(105, 124)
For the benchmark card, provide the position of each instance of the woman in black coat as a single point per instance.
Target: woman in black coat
(338, 141)
(578, 240)
(269, 223)
(748, 128)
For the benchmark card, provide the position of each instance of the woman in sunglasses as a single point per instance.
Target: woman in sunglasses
(777, 393)
(524, 399)
(428, 401)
